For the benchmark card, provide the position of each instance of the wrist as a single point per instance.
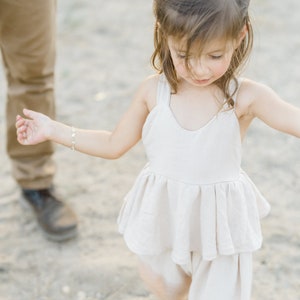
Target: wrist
(52, 129)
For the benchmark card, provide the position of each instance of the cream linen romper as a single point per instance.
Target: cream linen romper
(193, 200)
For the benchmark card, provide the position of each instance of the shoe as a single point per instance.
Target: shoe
(55, 218)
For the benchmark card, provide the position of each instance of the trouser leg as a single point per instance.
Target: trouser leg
(27, 40)
(226, 278)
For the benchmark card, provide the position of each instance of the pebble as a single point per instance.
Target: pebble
(81, 295)
(66, 290)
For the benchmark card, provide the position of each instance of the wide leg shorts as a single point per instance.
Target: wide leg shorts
(224, 278)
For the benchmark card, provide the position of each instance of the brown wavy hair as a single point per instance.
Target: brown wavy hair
(199, 22)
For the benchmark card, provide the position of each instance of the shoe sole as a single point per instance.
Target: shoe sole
(70, 234)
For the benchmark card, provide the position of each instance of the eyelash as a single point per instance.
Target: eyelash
(181, 56)
(216, 57)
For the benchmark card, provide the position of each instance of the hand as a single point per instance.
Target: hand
(33, 130)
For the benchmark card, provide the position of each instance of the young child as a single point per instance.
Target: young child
(192, 216)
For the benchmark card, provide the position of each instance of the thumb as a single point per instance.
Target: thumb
(29, 113)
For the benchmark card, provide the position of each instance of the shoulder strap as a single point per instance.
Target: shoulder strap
(235, 85)
(163, 91)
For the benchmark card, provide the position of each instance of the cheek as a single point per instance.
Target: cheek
(180, 67)
(221, 68)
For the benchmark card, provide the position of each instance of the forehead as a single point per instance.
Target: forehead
(198, 46)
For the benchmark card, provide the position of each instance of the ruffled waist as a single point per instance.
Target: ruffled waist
(160, 214)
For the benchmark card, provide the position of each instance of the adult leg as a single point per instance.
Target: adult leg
(27, 37)
(28, 50)
(163, 277)
(226, 278)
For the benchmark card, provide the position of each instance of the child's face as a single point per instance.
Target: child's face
(203, 69)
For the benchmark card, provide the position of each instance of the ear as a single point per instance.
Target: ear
(241, 36)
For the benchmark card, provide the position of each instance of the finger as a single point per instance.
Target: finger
(21, 139)
(22, 128)
(27, 112)
(30, 113)
(23, 136)
(20, 123)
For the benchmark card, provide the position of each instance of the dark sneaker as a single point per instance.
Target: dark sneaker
(55, 218)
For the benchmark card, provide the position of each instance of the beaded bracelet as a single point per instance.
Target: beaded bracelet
(73, 136)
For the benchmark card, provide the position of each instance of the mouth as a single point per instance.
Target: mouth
(201, 81)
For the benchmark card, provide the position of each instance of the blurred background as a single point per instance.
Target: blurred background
(103, 52)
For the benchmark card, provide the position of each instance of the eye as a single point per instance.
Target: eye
(216, 57)
(181, 55)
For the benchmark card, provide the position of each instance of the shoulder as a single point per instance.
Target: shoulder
(150, 83)
(249, 93)
(148, 90)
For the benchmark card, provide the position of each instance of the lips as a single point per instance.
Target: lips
(201, 81)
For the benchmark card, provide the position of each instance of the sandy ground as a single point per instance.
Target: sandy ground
(103, 54)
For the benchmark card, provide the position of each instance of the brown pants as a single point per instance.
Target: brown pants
(27, 41)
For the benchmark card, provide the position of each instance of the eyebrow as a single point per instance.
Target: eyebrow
(207, 52)
(218, 50)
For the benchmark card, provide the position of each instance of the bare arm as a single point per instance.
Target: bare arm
(37, 128)
(266, 105)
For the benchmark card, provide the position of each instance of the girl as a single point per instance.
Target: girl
(192, 216)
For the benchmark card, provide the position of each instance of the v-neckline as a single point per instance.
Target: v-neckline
(175, 120)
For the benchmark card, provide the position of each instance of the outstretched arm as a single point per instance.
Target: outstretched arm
(37, 128)
(266, 105)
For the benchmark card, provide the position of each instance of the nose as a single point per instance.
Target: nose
(199, 67)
